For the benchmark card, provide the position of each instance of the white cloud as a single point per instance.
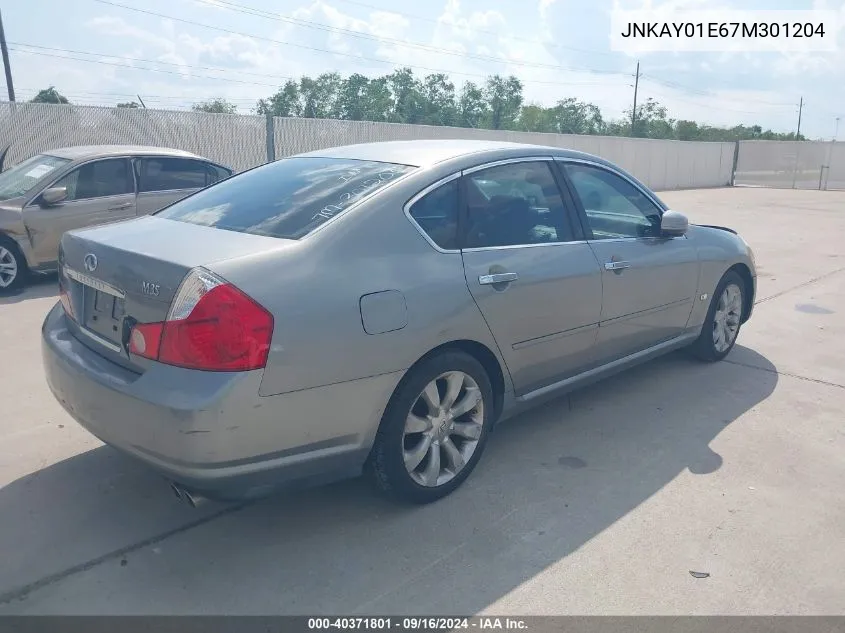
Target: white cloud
(544, 7)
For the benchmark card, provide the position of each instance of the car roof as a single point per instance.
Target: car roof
(93, 151)
(422, 153)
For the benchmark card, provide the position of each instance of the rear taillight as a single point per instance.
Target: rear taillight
(211, 326)
(64, 297)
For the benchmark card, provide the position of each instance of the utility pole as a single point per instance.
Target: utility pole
(6, 65)
(634, 110)
(142, 102)
(800, 109)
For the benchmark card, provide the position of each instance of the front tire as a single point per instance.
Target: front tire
(13, 270)
(434, 429)
(724, 319)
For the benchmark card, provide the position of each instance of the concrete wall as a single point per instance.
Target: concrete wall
(660, 164)
(791, 164)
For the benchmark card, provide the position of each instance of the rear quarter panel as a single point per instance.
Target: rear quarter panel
(717, 252)
(314, 291)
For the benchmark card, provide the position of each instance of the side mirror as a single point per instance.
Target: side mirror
(54, 195)
(673, 224)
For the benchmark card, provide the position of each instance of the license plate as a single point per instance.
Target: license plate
(102, 308)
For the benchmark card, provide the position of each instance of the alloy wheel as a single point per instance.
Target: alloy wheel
(8, 267)
(727, 318)
(443, 428)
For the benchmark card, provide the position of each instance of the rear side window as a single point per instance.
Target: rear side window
(288, 198)
(216, 173)
(169, 174)
(437, 215)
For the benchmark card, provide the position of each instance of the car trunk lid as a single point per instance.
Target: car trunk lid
(116, 275)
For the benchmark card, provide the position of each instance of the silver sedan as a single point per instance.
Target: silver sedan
(377, 307)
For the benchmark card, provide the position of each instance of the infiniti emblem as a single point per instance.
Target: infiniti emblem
(90, 262)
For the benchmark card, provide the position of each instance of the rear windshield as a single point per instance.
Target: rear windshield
(17, 180)
(288, 198)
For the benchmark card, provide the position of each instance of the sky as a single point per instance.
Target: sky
(174, 53)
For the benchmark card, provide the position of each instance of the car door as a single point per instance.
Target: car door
(649, 281)
(163, 180)
(534, 278)
(98, 192)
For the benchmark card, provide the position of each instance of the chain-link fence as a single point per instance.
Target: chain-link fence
(244, 141)
(791, 164)
(234, 140)
(661, 164)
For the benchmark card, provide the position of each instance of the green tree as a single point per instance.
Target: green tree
(285, 102)
(49, 95)
(504, 101)
(129, 104)
(438, 100)
(218, 105)
(352, 100)
(535, 118)
(472, 109)
(652, 120)
(319, 96)
(571, 116)
(686, 130)
(406, 93)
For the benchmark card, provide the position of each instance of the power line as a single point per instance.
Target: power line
(476, 30)
(329, 52)
(156, 70)
(151, 61)
(240, 8)
(673, 84)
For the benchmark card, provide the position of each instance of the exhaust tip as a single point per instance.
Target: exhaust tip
(186, 496)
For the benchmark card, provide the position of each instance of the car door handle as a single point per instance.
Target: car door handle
(616, 265)
(497, 278)
(121, 207)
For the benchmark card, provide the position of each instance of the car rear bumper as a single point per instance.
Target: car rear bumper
(211, 431)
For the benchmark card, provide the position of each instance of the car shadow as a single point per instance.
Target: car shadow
(38, 287)
(551, 480)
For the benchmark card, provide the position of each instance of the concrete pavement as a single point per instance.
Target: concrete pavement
(599, 503)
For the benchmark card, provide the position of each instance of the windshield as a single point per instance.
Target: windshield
(17, 180)
(288, 198)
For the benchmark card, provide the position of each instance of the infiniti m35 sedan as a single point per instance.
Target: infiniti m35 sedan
(377, 308)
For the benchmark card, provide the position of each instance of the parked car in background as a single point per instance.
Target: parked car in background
(75, 187)
(379, 307)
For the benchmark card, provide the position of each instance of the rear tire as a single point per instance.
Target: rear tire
(13, 269)
(434, 429)
(724, 320)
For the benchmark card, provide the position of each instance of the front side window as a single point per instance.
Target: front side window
(288, 198)
(515, 204)
(615, 208)
(171, 174)
(18, 180)
(437, 215)
(98, 179)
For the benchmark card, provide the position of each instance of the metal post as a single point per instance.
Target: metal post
(271, 138)
(736, 162)
(830, 153)
(634, 110)
(6, 65)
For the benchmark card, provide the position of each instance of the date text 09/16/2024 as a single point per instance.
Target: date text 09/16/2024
(417, 623)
